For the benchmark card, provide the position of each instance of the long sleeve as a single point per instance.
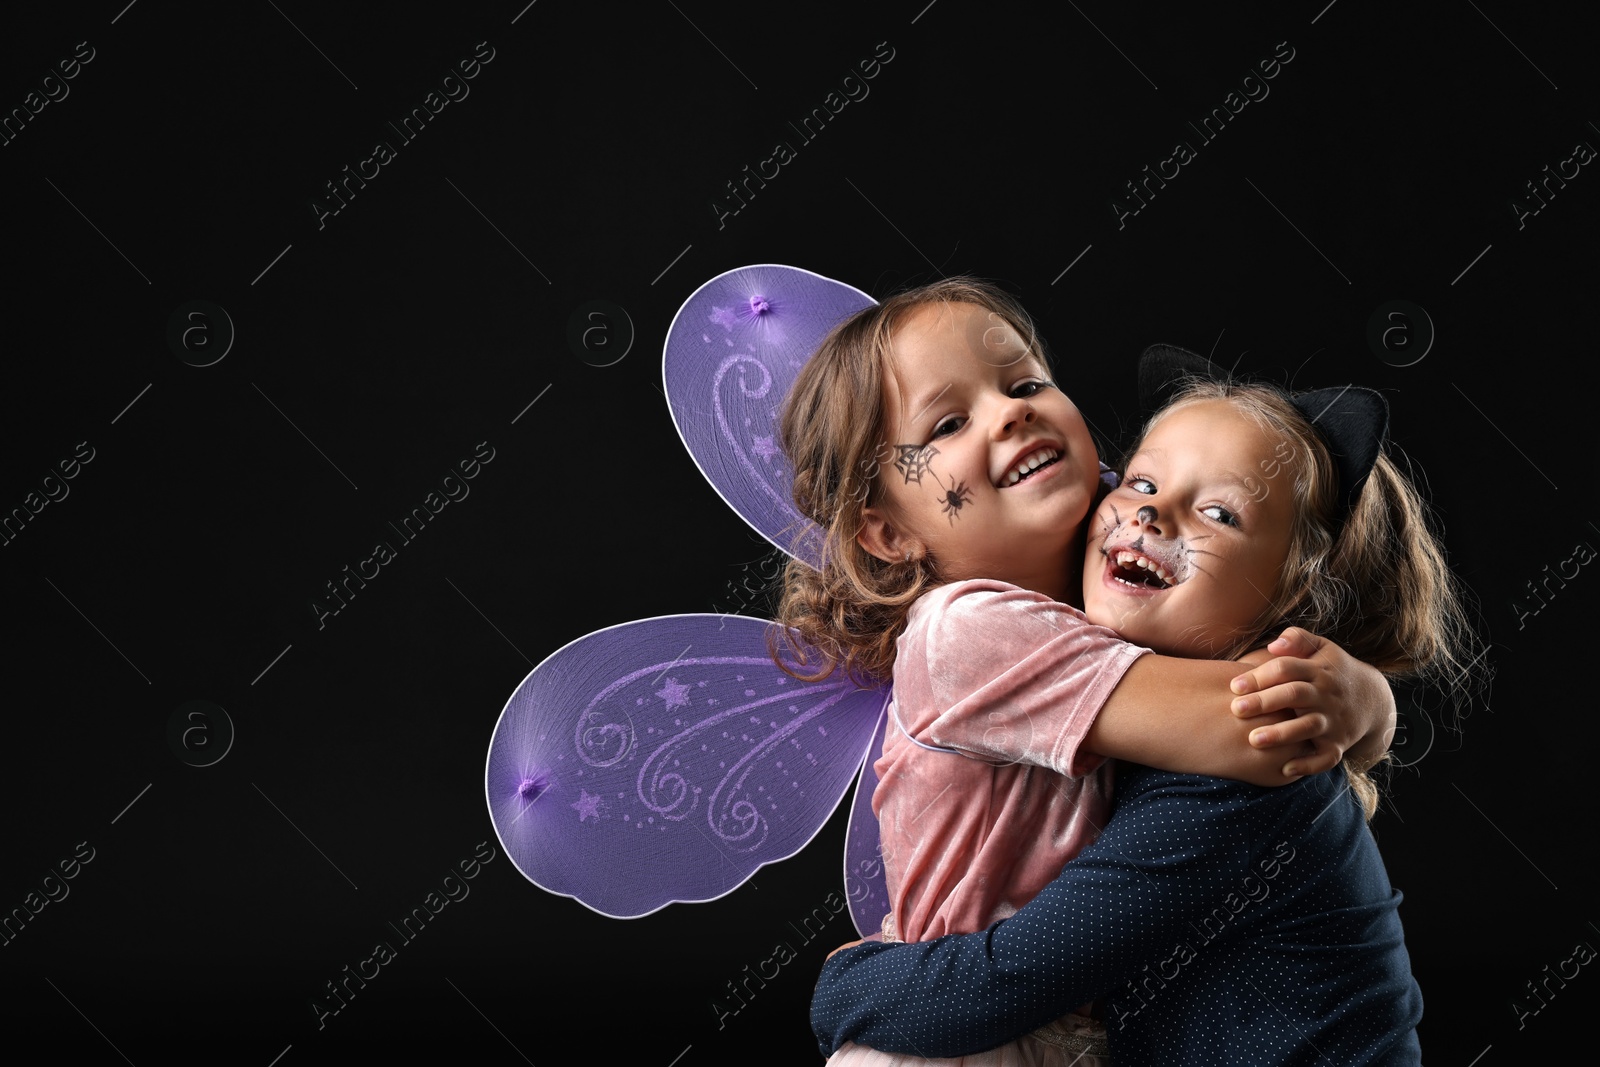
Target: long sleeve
(1209, 914)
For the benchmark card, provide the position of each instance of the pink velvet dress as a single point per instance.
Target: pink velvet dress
(983, 794)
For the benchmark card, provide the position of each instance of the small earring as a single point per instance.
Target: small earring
(908, 555)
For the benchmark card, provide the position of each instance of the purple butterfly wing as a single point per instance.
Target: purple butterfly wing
(665, 760)
(731, 355)
(865, 886)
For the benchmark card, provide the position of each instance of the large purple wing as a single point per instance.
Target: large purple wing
(865, 885)
(732, 353)
(665, 760)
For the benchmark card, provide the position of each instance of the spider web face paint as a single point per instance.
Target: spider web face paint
(912, 461)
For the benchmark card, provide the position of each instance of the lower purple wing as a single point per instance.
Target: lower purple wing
(865, 885)
(665, 760)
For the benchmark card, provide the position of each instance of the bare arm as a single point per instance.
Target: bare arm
(1296, 710)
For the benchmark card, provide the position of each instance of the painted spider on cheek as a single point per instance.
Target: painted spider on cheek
(913, 461)
(954, 499)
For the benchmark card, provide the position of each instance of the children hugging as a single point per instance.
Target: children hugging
(1109, 732)
(1110, 709)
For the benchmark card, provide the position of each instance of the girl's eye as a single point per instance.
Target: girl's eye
(1218, 513)
(1140, 485)
(949, 426)
(1028, 388)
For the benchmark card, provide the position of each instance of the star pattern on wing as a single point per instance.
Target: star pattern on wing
(912, 461)
(748, 772)
(674, 693)
(764, 447)
(586, 805)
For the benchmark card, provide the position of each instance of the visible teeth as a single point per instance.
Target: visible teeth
(1130, 559)
(1030, 463)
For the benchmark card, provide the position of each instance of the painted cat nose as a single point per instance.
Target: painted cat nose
(1147, 515)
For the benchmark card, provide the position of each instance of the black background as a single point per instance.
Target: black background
(374, 351)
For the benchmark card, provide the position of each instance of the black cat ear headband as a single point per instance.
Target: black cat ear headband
(1353, 421)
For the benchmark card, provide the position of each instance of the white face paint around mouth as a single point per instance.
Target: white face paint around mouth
(1145, 565)
(1179, 509)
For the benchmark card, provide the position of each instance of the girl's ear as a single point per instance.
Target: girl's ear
(882, 539)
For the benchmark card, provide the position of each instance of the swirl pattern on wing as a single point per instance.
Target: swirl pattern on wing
(759, 422)
(730, 358)
(699, 766)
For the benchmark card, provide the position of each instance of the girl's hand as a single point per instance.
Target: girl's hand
(1340, 704)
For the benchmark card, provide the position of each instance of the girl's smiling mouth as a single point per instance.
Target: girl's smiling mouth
(1035, 460)
(1132, 569)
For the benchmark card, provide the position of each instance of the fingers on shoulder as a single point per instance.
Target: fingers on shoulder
(1284, 670)
(1299, 728)
(1299, 635)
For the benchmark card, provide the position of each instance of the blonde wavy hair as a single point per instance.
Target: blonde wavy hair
(1378, 585)
(848, 615)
